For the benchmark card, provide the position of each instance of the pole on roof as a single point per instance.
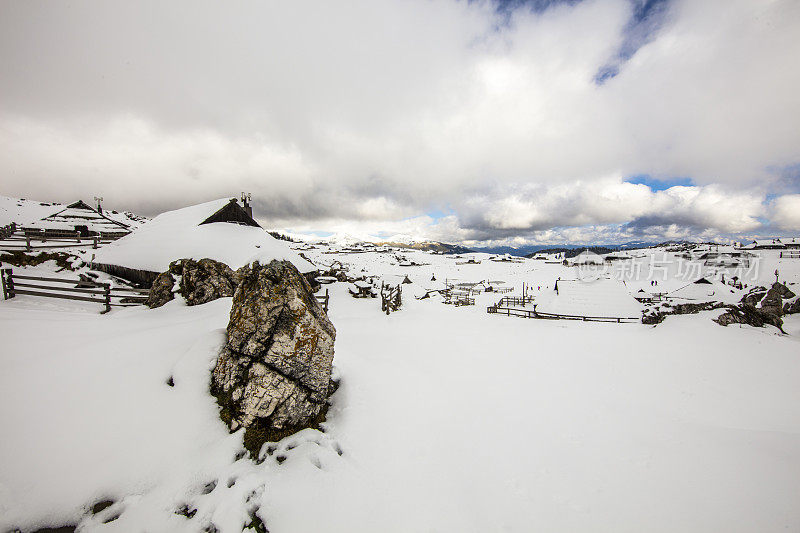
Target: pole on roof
(99, 199)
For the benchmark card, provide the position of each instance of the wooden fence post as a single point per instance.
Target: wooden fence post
(27, 242)
(94, 243)
(77, 236)
(107, 296)
(8, 284)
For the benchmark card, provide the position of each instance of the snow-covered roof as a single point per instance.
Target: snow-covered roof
(599, 298)
(767, 243)
(586, 258)
(179, 234)
(81, 214)
(705, 290)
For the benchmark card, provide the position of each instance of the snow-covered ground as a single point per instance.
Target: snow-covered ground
(447, 418)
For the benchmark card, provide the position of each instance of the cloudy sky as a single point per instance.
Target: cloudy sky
(504, 122)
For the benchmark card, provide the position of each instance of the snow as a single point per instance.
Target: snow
(598, 298)
(178, 234)
(707, 292)
(24, 211)
(29, 213)
(447, 418)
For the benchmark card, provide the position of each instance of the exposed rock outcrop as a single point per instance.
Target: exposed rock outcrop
(200, 282)
(771, 300)
(791, 307)
(204, 280)
(748, 314)
(658, 316)
(273, 376)
(161, 290)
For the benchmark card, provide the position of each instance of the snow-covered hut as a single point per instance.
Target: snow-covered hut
(792, 243)
(601, 298)
(706, 290)
(219, 230)
(765, 244)
(586, 257)
(84, 219)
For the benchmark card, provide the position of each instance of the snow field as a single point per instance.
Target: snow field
(446, 419)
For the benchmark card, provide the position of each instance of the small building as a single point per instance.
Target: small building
(706, 290)
(220, 230)
(82, 218)
(585, 258)
(791, 243)
(765, 244)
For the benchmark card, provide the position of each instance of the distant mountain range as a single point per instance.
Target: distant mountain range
(528, 250)
(430, 246)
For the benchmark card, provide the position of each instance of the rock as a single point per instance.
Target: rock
(161, 290)
(748, 314)
(200, 282)
(204, 280)
(754, 296)
(658, 316)
(273, 375)
(791, 307)
(772, 302)
(784, 291)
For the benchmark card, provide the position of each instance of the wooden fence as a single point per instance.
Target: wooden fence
(790, 254)
(506, 301)
(324, 300)
(81, 290)
(391, 298)
(459, 300)
(12, 238)
(503, 307)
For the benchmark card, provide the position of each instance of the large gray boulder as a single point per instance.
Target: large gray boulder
(273, 375)
(200, 282)
(204, 280)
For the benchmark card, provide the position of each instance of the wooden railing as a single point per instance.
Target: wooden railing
(85, 291)
(323, 300)
(514, 300)
(790, 254)
(501, 290)
(391, 298)
(503, 307)
(459, 300)
(15, 238)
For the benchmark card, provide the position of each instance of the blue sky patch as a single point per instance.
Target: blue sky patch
(657, 184)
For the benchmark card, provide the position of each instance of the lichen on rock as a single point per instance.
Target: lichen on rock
(273, 375)
(200, 282)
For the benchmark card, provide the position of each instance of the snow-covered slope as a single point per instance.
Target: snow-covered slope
(24, 211)
(447, 418)
(178, 234)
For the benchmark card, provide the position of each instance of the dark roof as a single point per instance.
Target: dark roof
(232, 212)
(80, 204)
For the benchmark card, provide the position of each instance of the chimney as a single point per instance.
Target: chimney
(246, 204)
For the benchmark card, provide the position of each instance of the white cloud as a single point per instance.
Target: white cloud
(786, 212)
(370, 113)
